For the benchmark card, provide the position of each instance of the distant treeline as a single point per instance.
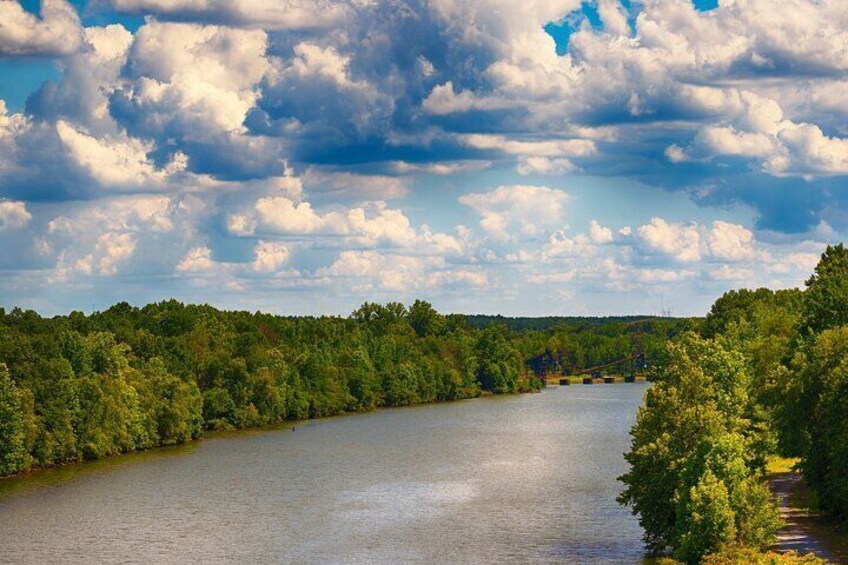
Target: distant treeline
(766, 373)
(544, 323)
(86, 386)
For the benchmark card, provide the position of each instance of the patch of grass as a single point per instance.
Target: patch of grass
(777, 464)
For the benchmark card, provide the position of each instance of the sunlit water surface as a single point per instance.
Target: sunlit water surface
(522, 479)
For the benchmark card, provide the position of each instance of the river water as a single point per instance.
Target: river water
(520, 479)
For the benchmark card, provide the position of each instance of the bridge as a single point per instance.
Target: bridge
(550, 365)
(635, 363)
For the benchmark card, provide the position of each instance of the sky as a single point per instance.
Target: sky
(542, 157)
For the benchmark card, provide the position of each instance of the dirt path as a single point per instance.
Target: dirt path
(804, 531)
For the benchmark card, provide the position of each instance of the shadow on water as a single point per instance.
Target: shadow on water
(61, 475)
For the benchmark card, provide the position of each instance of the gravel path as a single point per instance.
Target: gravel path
(804, 531)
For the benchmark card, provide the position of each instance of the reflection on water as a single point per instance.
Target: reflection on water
(525, 479)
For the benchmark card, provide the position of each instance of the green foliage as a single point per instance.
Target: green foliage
(425, 320)
(13, 454)
(697, 455)
(82, 387)
(826, 297)
(796, 345)
(706, 521)
(749, 556)
(817, 407)
(795, 350)
(736, 306)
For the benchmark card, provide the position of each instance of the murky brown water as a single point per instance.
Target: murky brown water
(524, 479)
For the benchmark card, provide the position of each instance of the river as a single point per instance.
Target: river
(519, 479)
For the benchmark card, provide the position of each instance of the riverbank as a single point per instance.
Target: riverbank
(212, 433)
(805, 530)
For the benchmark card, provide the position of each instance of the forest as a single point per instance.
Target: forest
(81, 387)
(765, 374)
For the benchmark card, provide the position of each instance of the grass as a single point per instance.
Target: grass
(776, 464)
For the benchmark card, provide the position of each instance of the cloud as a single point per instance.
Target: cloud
(55, 32)
(270, 256)
(444, 100)
(115, 162)
(598, 233)
(312, 60)
(547, 148)
(462, 279)
(13, 215)
(191, 79)
(138, 234)
(531, 208)
(110, 251)
(731, 242)
(787, 149)
(281, 215)
(281, 15)
(373, 270)
(802, 261)
(613, 17)
(545, 166)
(677, 240)
(561, 245)
(717, 141)
(371, 224)
(368, 271)
(443, 168)
(197, 260)
(731, 273)
(807, 151)
(315, 90)
(90, 75)
(350, 185)
(316, 144)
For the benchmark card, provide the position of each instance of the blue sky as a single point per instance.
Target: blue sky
(534, 158)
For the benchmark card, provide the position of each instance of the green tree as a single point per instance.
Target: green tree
(13, 455)
(817, 405)
(425, 320)
(695, 438)
(826, 297)
(218, 409)
(707, 522)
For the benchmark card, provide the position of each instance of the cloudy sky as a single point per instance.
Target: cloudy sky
(533, 157)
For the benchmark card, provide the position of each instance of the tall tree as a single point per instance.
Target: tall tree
(826, 298)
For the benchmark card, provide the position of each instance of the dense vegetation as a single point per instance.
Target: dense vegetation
(699, 449)
(543, 323)
(82, 387)
(766, 373)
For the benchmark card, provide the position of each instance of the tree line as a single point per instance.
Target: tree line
(765, 373)
(82, 387)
